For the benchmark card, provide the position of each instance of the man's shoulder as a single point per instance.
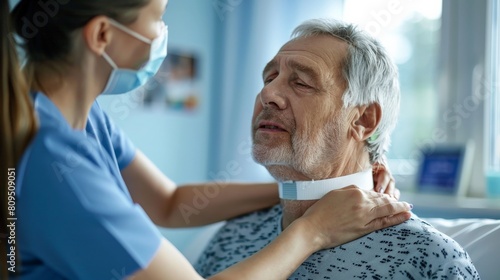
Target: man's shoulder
(264, 215)
(246, 227)
(413, 232)
(238, 239)
(415, 235)
(412, 248)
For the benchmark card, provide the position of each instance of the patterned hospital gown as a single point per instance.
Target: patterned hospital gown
(411, 250)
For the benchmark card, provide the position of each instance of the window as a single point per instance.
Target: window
(439, 47)
(410, 31)
(493, 133)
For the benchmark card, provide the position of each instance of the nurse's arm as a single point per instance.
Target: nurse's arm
(194, 204)
(278, 260)
(355, 213)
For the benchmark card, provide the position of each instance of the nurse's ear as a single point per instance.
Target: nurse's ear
(97, 34)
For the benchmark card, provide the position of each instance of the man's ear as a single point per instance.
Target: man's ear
(366, 121)
(97, 34)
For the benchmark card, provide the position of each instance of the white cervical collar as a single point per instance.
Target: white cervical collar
(313, 190)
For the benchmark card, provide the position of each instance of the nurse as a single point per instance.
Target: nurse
(86, 200)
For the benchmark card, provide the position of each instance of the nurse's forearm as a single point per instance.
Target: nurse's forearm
(201, 204)
(280, 258)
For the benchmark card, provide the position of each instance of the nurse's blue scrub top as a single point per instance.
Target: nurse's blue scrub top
(75, 216)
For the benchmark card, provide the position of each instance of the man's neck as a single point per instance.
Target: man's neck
(294, 209)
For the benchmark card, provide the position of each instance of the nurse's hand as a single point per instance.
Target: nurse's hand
(349, 213)
(339, 217)
(383, 181)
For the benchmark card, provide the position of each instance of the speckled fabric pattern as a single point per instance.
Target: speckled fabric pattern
(411, 250)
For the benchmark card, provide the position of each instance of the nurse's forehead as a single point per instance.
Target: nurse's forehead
(157, 7)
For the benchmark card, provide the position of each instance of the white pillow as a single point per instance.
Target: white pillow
(480, 238)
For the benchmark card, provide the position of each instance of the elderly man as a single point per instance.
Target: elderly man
(324, 116)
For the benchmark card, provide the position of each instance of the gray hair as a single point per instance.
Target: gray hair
(371, 76)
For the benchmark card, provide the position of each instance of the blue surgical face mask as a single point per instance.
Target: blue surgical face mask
(125, 80)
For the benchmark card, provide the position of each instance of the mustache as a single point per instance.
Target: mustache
(274, 116)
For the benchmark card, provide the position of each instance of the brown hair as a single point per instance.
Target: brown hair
(46, 29)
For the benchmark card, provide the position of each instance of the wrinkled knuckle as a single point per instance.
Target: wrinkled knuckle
(377, 224)
(392, 208)
(357, 193)
(384, 222)
(389, 199)
(357, 209)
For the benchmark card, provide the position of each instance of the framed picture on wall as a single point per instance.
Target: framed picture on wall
(175, 87)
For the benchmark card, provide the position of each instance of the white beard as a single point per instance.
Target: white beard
(308, 154)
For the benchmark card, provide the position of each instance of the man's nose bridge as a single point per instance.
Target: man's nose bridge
(275, 92)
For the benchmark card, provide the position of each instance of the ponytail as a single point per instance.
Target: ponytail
(18, 124)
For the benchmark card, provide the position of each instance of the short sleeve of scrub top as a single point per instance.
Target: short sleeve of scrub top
(75, 216)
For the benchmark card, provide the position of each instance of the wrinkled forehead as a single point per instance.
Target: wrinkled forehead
(321, 57)
(322, 48)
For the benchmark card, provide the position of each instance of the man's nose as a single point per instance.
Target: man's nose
(273, 95)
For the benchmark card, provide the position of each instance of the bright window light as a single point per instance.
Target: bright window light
(410, 32)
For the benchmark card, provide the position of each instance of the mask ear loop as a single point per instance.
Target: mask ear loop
(130, 32)
(109, 60)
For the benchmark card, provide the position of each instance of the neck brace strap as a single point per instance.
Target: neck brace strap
(313, 190)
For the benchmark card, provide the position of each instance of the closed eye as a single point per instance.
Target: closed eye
(269, 79)
(303, 85)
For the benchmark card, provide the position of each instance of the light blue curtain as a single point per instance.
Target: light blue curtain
(463, 84)
(251, 34)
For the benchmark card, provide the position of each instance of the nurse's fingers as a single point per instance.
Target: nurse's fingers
(387, 198)
(381, 178)
(346, 214)
(391, 189)
(385, 213)
(396, 193)
(388, 221)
